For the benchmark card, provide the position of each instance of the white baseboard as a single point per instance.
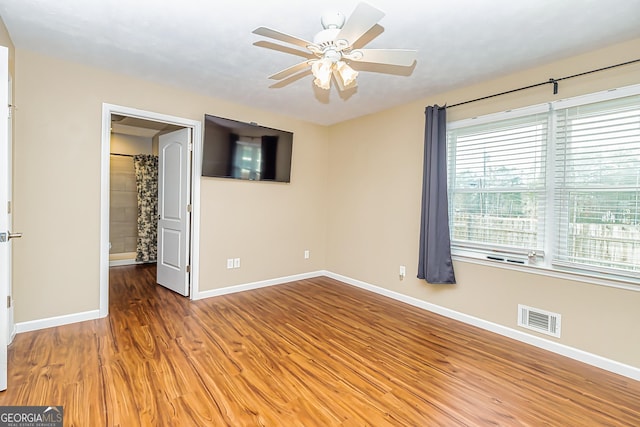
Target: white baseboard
(120, 262)
(124, 258)
(34, 325)
(564, 350)
(256, 285)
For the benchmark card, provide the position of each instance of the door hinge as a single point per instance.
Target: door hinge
(190, 146)
(188, 269)
(8, 301)
(189, 207)
(9, 206)
(9, 111)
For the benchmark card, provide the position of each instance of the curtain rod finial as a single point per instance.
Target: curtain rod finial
(555, 85)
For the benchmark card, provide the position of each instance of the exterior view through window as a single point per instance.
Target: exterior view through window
(556, 186)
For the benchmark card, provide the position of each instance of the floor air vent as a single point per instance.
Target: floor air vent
(539, 320)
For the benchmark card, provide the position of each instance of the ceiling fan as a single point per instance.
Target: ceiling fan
(334, 48)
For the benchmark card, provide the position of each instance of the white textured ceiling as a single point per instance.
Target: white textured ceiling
(208, 46)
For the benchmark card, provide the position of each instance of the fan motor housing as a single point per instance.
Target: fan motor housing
(332, 20)
(326, 37)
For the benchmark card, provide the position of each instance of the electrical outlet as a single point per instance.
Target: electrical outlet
(236, 263)
(230, 263)
(306, 254)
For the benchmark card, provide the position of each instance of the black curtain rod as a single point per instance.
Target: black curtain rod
(554, 82)
(123, 155)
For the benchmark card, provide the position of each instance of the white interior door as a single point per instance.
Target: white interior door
(174, 172)
(5, 219)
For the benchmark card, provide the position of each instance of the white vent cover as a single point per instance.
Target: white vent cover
(539, 320)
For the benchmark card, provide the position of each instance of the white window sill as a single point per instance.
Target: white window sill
(594, 278)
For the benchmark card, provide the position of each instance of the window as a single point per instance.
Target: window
(556, 186)
(497, 184)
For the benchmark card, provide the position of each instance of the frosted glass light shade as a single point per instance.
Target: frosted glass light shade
(347, 73)
(322, 72)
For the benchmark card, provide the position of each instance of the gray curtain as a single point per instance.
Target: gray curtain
(434, 264)
(146, 168)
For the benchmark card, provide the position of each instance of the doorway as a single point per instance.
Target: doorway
(139, 130)
(133, 189)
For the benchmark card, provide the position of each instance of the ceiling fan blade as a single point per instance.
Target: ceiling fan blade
(291, 70)
(400, 57)
(275, 34)
(285, 49)
(373, 32)
(291, 79)
(363, 18)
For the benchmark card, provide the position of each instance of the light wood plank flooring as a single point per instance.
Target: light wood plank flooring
(309, 353)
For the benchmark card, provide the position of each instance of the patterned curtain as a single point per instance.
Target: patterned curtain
(146, 167)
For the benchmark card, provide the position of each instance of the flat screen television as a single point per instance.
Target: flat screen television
(238, 150)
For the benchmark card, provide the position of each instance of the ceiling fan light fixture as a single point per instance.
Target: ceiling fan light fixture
(322, 72)
(347, 74)
(340, 41)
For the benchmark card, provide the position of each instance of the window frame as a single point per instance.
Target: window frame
(543, 264)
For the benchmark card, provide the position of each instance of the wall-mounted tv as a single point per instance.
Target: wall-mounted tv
(238, 150)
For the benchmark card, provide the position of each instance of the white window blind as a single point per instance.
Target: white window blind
(558, 181)
(497, 184)
(597, 185)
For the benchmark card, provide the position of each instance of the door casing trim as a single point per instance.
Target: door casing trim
(196, 169)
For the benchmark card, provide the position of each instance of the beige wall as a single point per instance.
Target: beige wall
(123, 207)
(267, 225)
(131, 144)
(375, 180)
(353, 200)
(57, 189)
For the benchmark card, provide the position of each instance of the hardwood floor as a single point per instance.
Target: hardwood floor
(309, 353)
